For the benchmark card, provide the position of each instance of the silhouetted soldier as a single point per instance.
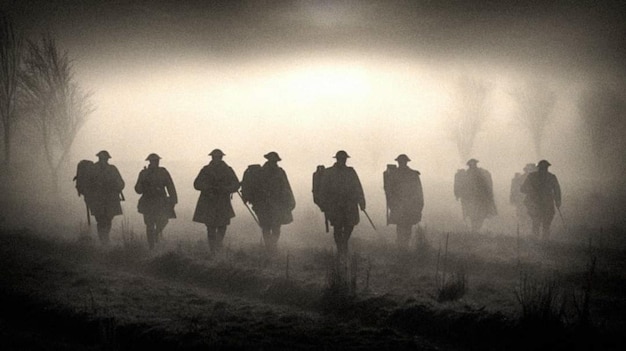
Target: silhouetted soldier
(216, 182)
(542, 194)
(516, 198)
(405, 199)
(271, 197)
(341, 198)
(475, 189)
(105, 195)
(158, 198)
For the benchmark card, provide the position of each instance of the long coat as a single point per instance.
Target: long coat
(341, 194)
(106, 184)
(274, 201)
(216, 182)
(516, 197)
(542, 192)
(405, 196)
(158, 193)
(475, 189)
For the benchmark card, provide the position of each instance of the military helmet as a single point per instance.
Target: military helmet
(272, 156)
(403, 157)
(217, 152)
(153, 156)
(472, 161)
(530, 167)
(341, 154)
(543, 163)
(103, 153)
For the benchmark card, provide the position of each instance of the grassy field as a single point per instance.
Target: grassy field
(451, 291)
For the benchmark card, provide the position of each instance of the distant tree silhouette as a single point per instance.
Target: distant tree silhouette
(604, 116)
(471, 110)
(58, 107)
(536, 102)
(10, 65)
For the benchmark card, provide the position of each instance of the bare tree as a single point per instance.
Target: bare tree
(536, 102)
(10, 65)
(471, 111)
(604, 117)
(58, 107)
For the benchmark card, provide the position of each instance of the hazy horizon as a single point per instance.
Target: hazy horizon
(306, 79)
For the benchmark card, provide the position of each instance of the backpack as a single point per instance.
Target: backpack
(389, 180)
(83, 178)
(317, 186)
(250, 183)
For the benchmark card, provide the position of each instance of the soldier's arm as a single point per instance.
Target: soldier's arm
(171, 189)
(513, 191)
(139, 185)
(525, 188)
(201, 182)
(291, 201)
(557, 192)
(488, 182)
(359, 190)
(119, 182)
(233, 183)
(420, 194)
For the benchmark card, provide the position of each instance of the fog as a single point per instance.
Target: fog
(306, 79)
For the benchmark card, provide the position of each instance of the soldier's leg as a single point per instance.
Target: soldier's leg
(546, 223)
(212, 237)
(536, 227)
(271, 240)
(221, 232)
(149, 221)
(267, 232)
(160, 223)
(347, 232)
(275, 236)
(403, 232)
(338, 229)
(101, 226)
(477, 223)
(109, 225)
(104, 228)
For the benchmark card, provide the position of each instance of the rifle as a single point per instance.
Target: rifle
(561, 215)
(388, 185)
(387, 211)
(88, 217)
(369, 219)
(326, 222)
(249, 210)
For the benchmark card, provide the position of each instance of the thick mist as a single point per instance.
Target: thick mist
(307, 80)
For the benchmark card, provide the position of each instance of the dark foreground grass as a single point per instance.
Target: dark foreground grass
(174, 301)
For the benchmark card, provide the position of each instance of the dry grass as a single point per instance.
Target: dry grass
(453, 288)
(541, 301)
(312, 279)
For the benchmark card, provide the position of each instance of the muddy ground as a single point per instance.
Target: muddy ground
(72, 293)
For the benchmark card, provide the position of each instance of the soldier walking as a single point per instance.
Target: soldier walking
(158, 198)
(341, 197)
(474, 188)
(516, 197)
(405, 199)
(105, 194)
(216, 182)
(542, 194)
(267, 189)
